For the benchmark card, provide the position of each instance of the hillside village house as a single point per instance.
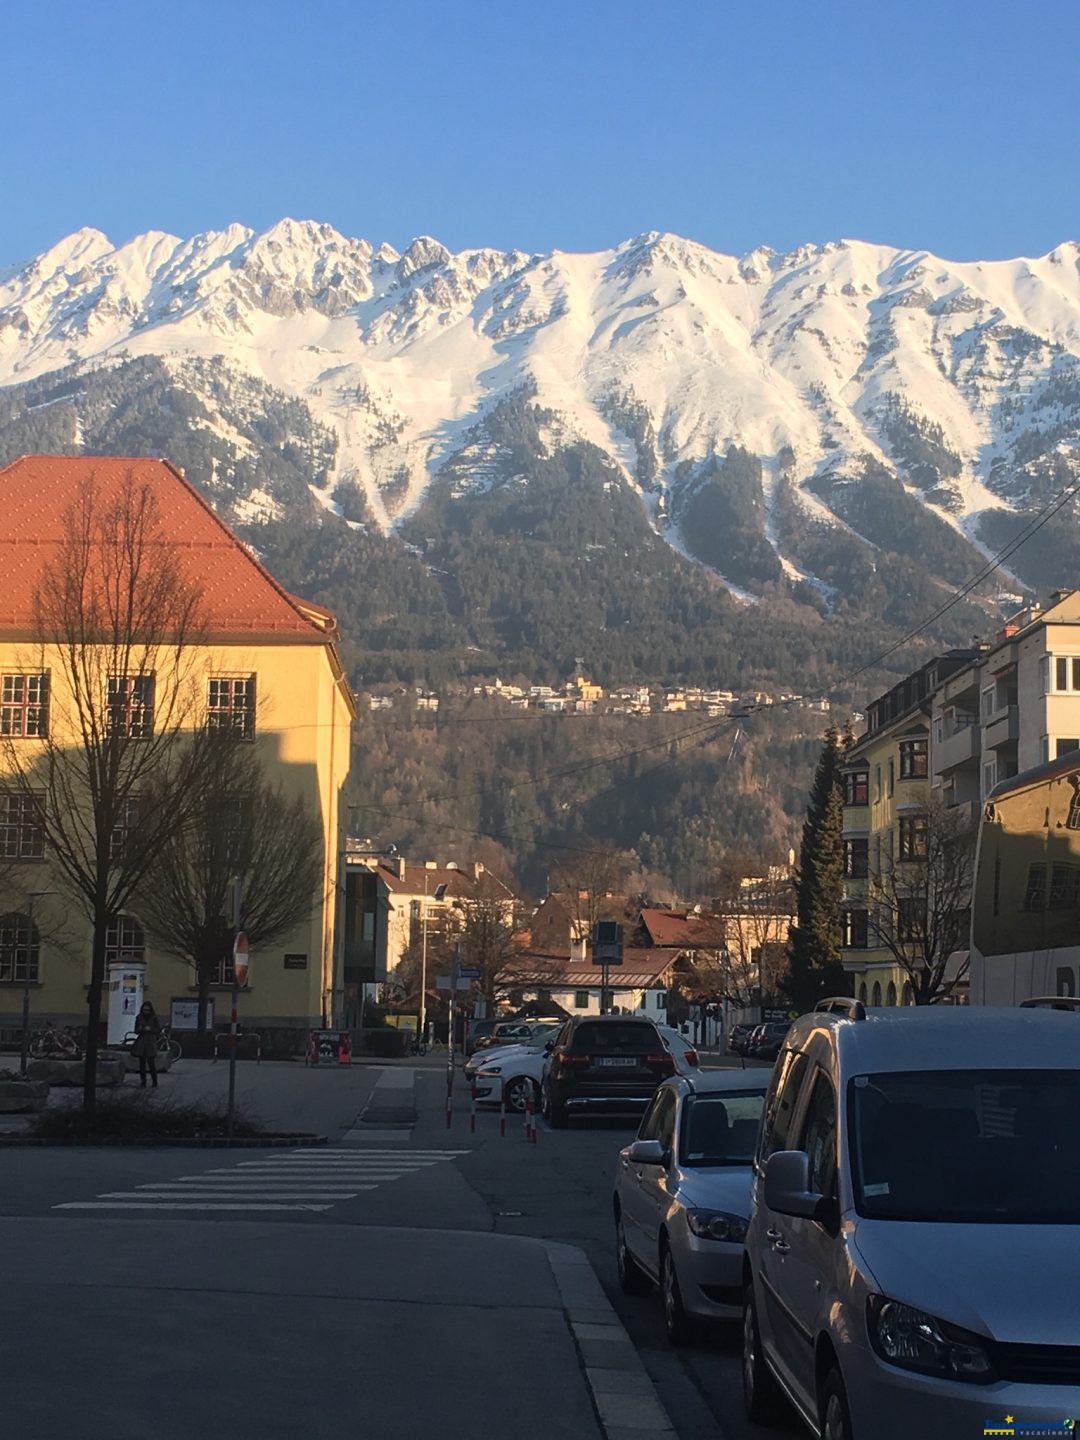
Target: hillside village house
(266, 664)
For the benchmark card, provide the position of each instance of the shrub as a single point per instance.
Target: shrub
(121, 1116)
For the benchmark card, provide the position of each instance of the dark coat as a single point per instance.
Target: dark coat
(147, 1033)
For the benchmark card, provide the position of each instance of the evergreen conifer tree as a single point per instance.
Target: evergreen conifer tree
(814, 966)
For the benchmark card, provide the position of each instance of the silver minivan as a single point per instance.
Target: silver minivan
(912, 1264)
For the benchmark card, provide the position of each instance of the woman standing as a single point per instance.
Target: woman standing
(147, 1035)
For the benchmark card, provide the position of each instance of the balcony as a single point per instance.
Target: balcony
(1002, 728)
(964, 812)
(959, 748)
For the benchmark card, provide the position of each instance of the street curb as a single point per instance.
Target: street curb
(148, 1142)
(622, 1392)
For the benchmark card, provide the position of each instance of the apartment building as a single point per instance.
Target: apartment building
(886, 779)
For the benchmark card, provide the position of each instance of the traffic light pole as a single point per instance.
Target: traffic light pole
(232, 1018)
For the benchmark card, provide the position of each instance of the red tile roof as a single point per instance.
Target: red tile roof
(684, 930)
(640, 970)
(241, 599)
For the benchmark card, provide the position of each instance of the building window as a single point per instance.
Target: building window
(890, 994)
(1035, 890)
(862, 992)
(987, 703)
(913, 837)
(1063, 887)
(875, 998)
(125, 942)
(910, 918)
(892, 774)
(581, 999)
(856, 858)
(230, 704)
(913, 759)
(22, 835)
(24, 705)
(661, 999)
(877, 782)
(856, 930)
(856, 787)
(19, 946)
(989, 777)
(125, 833)
(1061, 673)
(1065, 746)
(231, 818)
(131, 706)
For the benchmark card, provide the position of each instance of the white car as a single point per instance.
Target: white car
(483, 1059)
(683, 1195)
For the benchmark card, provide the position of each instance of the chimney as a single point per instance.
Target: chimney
(477, 869)
(1057, 596)
(401, 867)
(431, 864)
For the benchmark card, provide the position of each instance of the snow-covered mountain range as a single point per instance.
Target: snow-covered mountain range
(750, 402)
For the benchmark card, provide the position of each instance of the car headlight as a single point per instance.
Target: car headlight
(913, 1340)
(717, 1225)
(489, 1070)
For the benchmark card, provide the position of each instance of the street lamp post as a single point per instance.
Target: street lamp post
(440, 891)
(30, 948)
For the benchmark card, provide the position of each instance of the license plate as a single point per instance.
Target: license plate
(624, 1061)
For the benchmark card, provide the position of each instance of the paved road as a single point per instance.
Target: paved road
(377, 1179)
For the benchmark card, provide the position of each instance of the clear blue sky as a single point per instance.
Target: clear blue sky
(951, 125)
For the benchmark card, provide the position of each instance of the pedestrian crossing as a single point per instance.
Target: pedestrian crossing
(305, 1180)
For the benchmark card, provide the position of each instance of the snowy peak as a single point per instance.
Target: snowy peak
(959, 380)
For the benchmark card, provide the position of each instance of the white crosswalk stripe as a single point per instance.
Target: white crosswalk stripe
(305, 1180)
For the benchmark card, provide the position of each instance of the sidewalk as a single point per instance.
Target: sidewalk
(176, 1329)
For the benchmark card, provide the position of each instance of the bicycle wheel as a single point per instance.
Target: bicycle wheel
(175, 1051)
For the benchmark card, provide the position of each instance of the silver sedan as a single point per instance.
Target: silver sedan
(682, 1196)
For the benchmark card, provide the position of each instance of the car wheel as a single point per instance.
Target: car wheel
(761, 1394)
(835, 1416)
(554, 1113)
(632, 1279)
(678, 1324)
(518, 1093)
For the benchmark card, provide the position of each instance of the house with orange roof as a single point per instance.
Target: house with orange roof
(266, 665)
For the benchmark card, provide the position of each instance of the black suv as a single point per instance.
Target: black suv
(605, 1063)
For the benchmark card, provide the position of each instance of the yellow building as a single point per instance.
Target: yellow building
(266, 665)
(886, 798)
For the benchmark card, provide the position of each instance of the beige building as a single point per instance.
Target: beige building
(886, 778)
(265, 665)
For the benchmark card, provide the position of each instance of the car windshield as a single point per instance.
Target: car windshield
(989, 1146)
(618, 1039)
(721, 1128)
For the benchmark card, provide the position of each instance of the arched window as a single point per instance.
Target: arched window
(125, 942)
(19, 947)
(909, 993)
(891, 996)
(877, 993)
(862, 992)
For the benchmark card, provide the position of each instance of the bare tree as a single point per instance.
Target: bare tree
(918, 904)
(593, 887)
(486, 931)
(116, 768)
(245, 829)
(757, 903)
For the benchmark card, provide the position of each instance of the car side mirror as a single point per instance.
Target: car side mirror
(549, 1046)
(787, 1188)
(647, 1152)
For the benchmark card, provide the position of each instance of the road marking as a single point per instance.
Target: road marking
(175, 1205)
(270, 1194)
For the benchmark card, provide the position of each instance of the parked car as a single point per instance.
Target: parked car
(913, 1257)
(603, 1063)
(769, 1038)
(738, 1035)
(684, 1053)
(682, 1196)
(757, 1034)
(514, 1076)
(499, 1054)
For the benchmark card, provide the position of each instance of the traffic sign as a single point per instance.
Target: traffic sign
(241, 959)
(469, 973)
(444, 982)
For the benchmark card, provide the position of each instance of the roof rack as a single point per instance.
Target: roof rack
(1051, 1002)
(842, 1005)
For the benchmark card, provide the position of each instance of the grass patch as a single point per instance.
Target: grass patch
(142, 1117)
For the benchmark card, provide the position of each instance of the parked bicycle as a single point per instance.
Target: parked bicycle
(51, 1044)
(167, 1044)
